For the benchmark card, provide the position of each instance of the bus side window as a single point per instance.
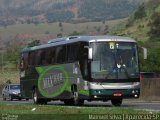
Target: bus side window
(32, 58)
(38, 58)
(61, 54)
(43, 58)
(48, 56)
(72, 52)
(25, 60)
(53, 55)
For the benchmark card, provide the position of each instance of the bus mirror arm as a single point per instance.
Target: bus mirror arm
(90, 52)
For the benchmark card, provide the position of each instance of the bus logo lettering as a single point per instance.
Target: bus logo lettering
(52, 80)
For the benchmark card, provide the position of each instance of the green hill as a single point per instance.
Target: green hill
(34, 11)
(144, 26)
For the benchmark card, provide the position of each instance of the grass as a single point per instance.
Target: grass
(26, 111)
(139, 30)
(13, 76)
(54, 28)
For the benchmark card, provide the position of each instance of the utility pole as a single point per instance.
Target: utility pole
(2, 60)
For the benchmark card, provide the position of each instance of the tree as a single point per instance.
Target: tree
(34, 43)
(75, 33)
(13, 56)
(59, 35)
(152, 64)
(104, 21)
(140, 13)
(12, 51)
(60, 24)
(106, 29)
(155, 27)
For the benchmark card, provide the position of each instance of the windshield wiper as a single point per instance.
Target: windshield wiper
(125, 70)
(110, 73)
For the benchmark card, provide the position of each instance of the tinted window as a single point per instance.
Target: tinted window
(25, 58)
(38, 57)
(42, 57)
(61, 54)
(53, 55)
(72, 52)
(32, 58)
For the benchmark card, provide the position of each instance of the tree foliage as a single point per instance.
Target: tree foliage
(152, 64)
(75, 33)
(34, 43)
(59, 16)
(155, 27)
(140, 13)
(106, 9)
(14, 55)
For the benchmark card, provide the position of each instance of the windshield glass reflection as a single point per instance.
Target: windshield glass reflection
(114, 60)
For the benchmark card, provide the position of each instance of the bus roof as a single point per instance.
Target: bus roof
(73, 39)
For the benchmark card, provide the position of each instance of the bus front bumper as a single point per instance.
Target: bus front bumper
(102, 94)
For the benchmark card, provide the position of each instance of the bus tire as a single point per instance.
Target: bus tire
(27, 99)
(43, 102)
(67, 102)
(116, 102)
(36, 100)
(76, 100)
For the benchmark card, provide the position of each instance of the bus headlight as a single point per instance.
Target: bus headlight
(135, 96)
(95, 96)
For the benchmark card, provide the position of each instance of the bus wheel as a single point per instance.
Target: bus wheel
(67, 102)
(116, 102)
(76, 100)
(27, 99)
(36, 100)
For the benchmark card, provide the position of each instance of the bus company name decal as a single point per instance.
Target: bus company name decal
(52, 80)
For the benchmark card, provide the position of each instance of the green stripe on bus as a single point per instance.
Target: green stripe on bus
(83, 92)
(39, 69)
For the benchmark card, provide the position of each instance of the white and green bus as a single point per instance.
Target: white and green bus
(78, 68)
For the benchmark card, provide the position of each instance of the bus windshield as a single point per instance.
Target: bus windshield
(114, 60)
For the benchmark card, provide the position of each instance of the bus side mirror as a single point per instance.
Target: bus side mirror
(144, 53)
(90, 52)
